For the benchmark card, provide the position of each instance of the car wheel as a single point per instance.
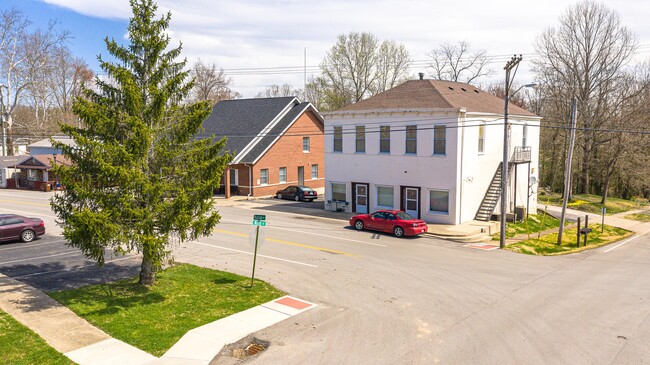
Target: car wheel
(296, 198)
(279, 196)
(27, 235)
(358, 225)
(398, 231)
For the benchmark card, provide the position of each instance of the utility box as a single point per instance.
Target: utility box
(520, 213)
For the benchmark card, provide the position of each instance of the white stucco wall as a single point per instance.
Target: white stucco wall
(466, 182)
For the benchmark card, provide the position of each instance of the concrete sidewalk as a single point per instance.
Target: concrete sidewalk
(87, 345)
(615, 220)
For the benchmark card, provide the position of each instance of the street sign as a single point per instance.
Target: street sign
(259, 220)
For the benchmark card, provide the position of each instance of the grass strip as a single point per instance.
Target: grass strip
(154, 318)
(21, 346)
(547, 245)
(591, 203)
(535, 224)
(641, 217)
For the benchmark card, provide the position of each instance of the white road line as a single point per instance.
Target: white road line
(73, 269)
(31, 214)
(250, 253)
(29, 246)
(310, 233)
(621, 244)
(40, 257)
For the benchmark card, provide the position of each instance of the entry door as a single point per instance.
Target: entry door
(361, 194)
(301, 175)
(412, 201)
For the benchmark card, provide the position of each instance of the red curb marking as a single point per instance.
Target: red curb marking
(482, 246)
(290, 302)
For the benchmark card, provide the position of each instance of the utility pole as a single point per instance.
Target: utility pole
(512, 64)
(567, 174)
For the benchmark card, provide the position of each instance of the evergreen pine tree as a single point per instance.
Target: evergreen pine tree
(139, 180)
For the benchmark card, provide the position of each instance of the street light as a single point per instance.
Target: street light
(512, 64)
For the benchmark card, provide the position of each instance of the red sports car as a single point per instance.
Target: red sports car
(396, 222)
(13, 227)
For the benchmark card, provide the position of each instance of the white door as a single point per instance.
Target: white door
(412, 201)
(362, 198)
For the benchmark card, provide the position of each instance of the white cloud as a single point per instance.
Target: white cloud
(258, 33)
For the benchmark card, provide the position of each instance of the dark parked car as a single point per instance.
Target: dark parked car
(297, 193)
(13, 227)
(396, 222)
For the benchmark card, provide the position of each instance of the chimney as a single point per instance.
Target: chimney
(421, 74)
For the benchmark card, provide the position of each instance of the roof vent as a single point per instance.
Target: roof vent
(462, 88)
(450, 88)
(476, 91)
(421, 74)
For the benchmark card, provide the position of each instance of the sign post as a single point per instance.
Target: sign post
(259, 220)
(603, 210)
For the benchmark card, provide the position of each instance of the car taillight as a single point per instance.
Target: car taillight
(42, 224)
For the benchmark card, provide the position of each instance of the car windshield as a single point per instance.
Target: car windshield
(404, 216)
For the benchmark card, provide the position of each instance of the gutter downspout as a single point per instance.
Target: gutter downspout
(250, 181)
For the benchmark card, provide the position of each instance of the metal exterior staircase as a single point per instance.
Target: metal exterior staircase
(492, 195)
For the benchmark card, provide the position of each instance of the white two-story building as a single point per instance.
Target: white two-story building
(433, 149)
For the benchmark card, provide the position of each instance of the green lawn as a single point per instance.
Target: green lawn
(591, 203)
(155, 318)
(641, 217)
(19, 345)
(547, 245)
(536, 223)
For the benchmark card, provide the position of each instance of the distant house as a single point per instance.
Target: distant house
(276, 142)
(432, 148)
(35, 171)
(44, 147)
(8, 172)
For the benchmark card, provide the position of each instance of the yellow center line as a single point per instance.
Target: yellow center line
(24, 203)
(318, 248)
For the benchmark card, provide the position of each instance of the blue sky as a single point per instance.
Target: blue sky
(245, 36)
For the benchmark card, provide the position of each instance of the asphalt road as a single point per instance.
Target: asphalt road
(384, 300)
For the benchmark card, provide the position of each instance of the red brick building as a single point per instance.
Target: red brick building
(276, 142)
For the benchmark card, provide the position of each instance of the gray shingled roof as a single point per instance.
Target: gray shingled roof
(241, 120)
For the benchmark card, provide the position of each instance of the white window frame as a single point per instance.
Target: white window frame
(334, 138)
(264, 173)
(306, 144)
(524, 135)
(283, 180)
(444, 140)
(235, 173)
(407, 139)
(392, 188)
(384, 139)
(314, 176)
(345, 189)
(429, 201)
(481, 138)
(357, 139)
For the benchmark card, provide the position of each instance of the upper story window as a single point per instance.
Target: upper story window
(384, 139)
(481, 138)
(411, 139)
(360, 139)
(524, 137)
(439, 140)
(264, 176)
(338, 139)
(305, 144)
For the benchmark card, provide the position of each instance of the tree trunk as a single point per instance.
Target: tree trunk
(584, 179)
(147, 270)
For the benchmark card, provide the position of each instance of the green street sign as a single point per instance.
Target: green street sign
(259, 217)
(259, 223)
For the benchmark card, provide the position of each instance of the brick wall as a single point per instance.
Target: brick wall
(288, 152)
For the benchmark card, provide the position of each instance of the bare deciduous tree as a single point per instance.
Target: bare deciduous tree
(23, 55)
(210, 84)
(455, 62)
(359, 66)
(584, 57)
(274, 91)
